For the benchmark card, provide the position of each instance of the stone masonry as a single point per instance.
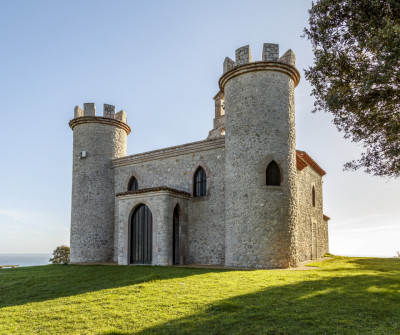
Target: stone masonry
(240, 221)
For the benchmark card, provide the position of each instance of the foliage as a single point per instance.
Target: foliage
(397, 254)
(61, 255)
(356, 76)
(341, 296)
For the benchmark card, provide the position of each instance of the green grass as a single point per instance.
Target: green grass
(343, 296)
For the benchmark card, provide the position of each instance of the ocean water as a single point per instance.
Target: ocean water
(25, 259)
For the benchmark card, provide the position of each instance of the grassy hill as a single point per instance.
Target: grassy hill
(343, 296)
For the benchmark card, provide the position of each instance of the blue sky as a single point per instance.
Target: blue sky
(160, 61)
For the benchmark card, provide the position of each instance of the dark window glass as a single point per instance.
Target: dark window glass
(313, 196)
(200, 183)
(133, 184)
(273, 174)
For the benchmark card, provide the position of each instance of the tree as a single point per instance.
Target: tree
(60, 255)
(356, 76)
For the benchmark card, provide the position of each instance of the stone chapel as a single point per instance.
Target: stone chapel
(243, 197)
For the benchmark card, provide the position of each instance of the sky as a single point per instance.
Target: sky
(160, 61)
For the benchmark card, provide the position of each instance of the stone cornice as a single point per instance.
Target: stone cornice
(154, 189)
(170, 152)
(290, 70)
(99, 119)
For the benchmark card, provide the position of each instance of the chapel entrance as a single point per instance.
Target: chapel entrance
(141, 235)
(175, 236)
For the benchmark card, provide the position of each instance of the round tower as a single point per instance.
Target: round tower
(260, 130)
(97, 140)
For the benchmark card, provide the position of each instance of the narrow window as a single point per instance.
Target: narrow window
(313, 196)
(273, 174)
(133, 184)
(200, 183)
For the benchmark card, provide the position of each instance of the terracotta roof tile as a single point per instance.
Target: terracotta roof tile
(154, 189)
(309, 161)
(326, 218)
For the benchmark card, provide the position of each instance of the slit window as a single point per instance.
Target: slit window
(273, 174)
(200, 183)
(313, 196)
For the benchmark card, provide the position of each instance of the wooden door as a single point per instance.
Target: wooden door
(141, 235)
(175, 237)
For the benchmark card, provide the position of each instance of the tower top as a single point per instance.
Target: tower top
(270, 61)
(88, 115)
(270, 53)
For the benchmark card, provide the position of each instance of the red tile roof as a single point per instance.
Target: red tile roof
(303, 160)
(326, 218)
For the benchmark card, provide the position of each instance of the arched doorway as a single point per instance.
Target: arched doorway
(175, 236)
(141, 235)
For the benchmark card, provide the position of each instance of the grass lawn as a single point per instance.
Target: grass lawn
(343, 296)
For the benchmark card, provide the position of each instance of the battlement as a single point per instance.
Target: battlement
(89, 109)
(270, 53)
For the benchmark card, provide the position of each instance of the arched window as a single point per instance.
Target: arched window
(273, 174)
(133, 184)
(313, 196)
(200, 183)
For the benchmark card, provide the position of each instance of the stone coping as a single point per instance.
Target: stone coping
(99, 119)
(178, 150)
(290, 70)
(154, 189)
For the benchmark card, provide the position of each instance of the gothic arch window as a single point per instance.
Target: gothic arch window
(313, 196)
(133, 184)
(273, 174)
(200, 183)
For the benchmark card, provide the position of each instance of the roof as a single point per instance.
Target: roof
(154, 189)
(326, 218)
(303, 159)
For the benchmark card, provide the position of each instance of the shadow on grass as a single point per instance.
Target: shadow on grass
(34, 284)
(361, 304)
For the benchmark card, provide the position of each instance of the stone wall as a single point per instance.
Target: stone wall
(312, 230)
(260, 127)
(174, 167)
(96, 141)
(161, 204)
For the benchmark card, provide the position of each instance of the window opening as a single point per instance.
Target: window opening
(273, 174)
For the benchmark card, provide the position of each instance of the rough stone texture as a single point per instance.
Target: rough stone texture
(288, 58)
(270, 52)
(78, 112)
(121, 116)
(89, 109)
(228, 64)
(243, 55)
(260, 127)
(219, 120)
(175, 167)
(310, 239)
(162, 205)
(92, 216)
(108, 111)
(241, 221)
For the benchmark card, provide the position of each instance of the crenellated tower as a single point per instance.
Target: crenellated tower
(97, 140)
(260, 129)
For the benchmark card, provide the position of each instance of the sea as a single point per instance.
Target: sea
(25, 259)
